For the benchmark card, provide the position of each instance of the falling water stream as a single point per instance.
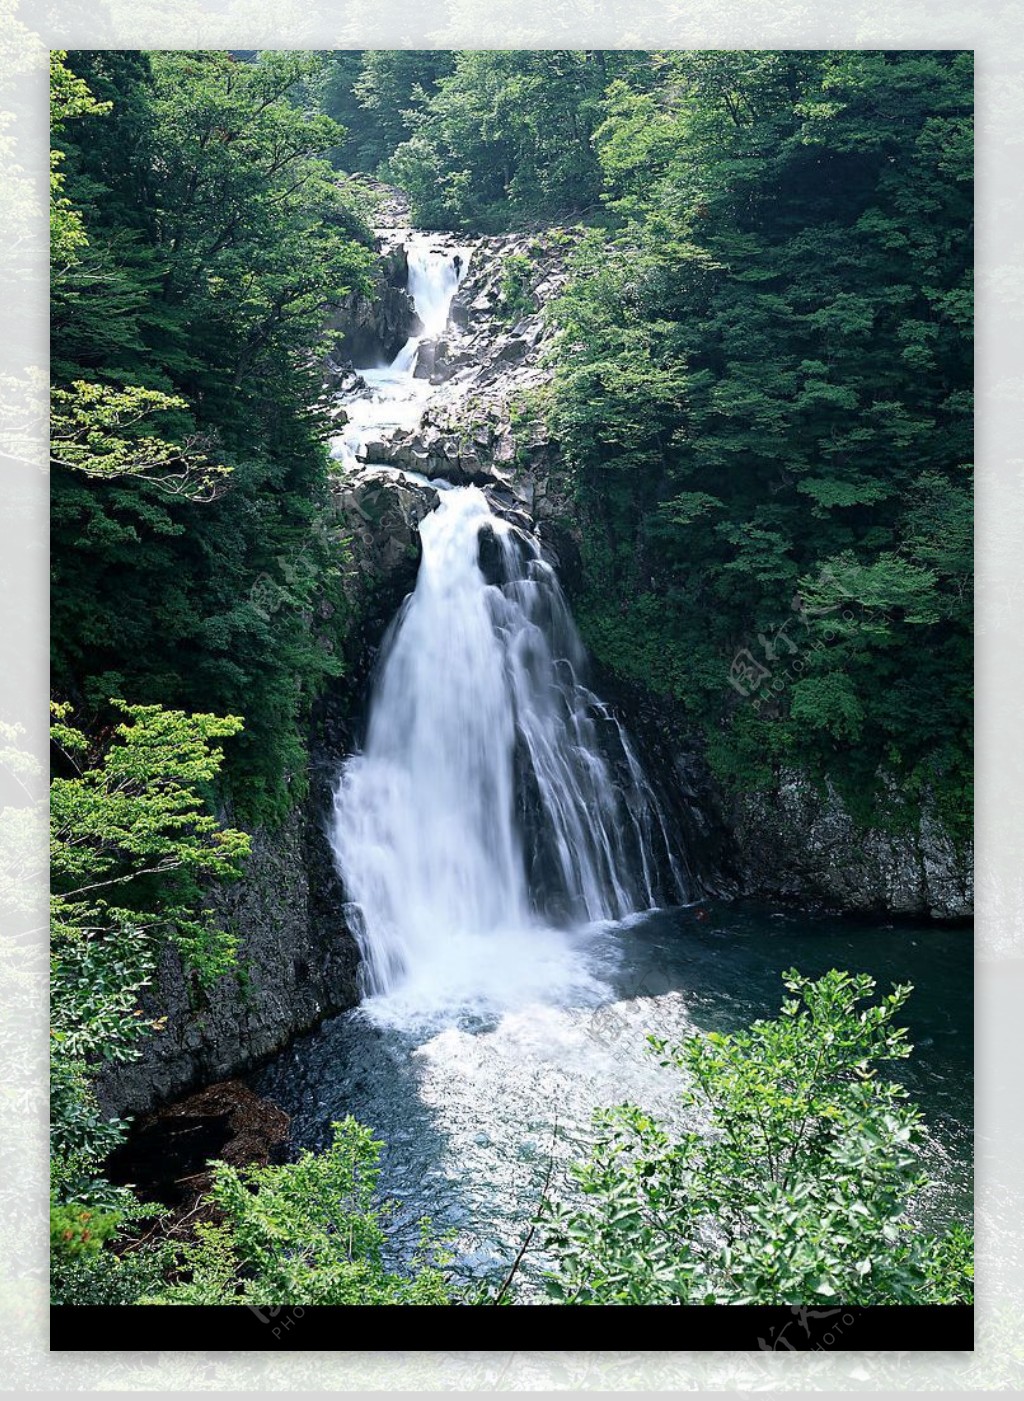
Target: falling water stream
(496, 801)
(521, 905)
(392, 396)
(497, 810)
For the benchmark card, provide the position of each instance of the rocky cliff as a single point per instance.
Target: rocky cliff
(798, 842)
(296, 964)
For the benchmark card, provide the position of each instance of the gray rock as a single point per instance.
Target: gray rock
(800, 842)
(504, 449)
(380, 512)
(459, 313)
(372, 329)
(425, 360)
(514, 349)
(296, 964)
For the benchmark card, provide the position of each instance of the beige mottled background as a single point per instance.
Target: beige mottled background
(995, 30)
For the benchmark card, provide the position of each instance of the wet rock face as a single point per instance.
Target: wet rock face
(799, 841)
(489, 556)
(376, 517)
(371, 329)
(296, 965)
(674, 762)
(379, 512)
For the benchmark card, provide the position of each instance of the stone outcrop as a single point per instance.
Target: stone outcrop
(296, 965)
(167, 1157)
(372, 327)
(378, 512)
(799, 842)
(482, 425)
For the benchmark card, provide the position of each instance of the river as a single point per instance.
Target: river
(472, 1106)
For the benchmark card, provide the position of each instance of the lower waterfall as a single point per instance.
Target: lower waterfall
(495, 793)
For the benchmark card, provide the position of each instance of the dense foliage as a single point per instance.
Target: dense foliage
(308, 1232)
(793, 1186)
(200, 239)
(377, 95)
(129, 841)
(763, 384)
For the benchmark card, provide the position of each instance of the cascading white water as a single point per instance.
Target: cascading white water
(433, 281)
(497, 806)
(484, 806)
(395, 397)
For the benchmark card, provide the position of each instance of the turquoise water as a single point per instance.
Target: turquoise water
(473, 1107)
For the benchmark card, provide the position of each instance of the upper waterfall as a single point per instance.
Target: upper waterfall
(434, 277)
(391, 396)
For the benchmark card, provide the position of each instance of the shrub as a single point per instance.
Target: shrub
(795, 1186)
(308, 1232)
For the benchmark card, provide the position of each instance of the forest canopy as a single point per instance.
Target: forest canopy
(202, 237)
(761, 377)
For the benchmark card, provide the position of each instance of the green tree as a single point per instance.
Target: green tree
(763, 382)
(94, 429)
(190, 552)
(376, 95)
(130, 845)
(308, 1232)
(506, 137)
(69, 98)
(795, 1188)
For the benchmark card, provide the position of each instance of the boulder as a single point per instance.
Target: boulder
(425, 360)
(513, 350)
(381, 511)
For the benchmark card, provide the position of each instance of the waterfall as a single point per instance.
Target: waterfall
(433, 281)
(497, 807)
(495, 796)
(393, 398)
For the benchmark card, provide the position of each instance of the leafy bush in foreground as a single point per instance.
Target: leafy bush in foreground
(796, 1188)
(308, 1232)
